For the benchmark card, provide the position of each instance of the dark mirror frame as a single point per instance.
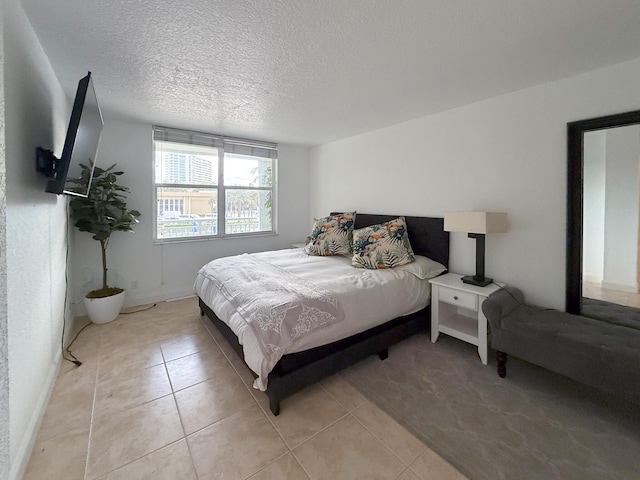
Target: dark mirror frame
(575, 195)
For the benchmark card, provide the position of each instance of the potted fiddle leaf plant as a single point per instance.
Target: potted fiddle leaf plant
(102, 212)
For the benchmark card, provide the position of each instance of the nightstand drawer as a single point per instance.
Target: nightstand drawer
(456, 297)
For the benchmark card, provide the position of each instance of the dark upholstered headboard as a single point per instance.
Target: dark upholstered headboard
(426, 234)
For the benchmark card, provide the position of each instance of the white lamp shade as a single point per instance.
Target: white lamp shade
(475, 222)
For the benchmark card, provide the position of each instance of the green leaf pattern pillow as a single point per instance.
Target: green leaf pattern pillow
(382, 246)
(332, 235)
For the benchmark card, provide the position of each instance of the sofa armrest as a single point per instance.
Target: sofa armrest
(500, 304)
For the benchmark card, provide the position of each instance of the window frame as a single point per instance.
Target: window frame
(223, 145)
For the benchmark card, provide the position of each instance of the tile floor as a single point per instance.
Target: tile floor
(160, 397)
(595, 291)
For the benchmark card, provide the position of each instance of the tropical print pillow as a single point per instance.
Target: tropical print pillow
(382, 246)
(332, 235)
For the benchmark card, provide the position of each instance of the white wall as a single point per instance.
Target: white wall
(4, 358)
(621, 209)
(503, 154)
(36, 112)
(166, 271)
(594, 172)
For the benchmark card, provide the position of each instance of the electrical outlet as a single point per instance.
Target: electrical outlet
(134, 284)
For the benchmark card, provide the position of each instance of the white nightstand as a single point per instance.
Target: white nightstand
(456, 310)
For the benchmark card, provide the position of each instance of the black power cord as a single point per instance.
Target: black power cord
(67, 350)
(73, 358)
(141, 310)
(502, 287)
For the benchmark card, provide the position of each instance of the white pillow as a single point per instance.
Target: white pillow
(423, 267)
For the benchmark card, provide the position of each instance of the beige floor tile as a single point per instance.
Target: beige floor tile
(112, 343)
(431, 466)
(129, 390)
(634, 300)
(91, 332)
(85, 347)
(350, 397)
(131, 434)
(408, 475)
(286, 467)
(186, 344)
(182, 306)
(236, 447)
(213, 331)
(212, 400)
(198, 367)
(171, 311)
(72, 417)
(593, 290)
(138, 429)
(305, 414)
(167, 329)
(128, 323)
(172, 462)
(70, 405)
(71, 378)
(127, 336)
(346, 450)
(343, 392)
(89, 364)
(259, 396)
(219, 339)
(63, 456)
(247, 377)
(124, 360)
(388, 431)
(241, 368)
(143, 311)
(174, 321)
(234, 359)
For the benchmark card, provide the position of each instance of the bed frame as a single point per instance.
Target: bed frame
(297, 371)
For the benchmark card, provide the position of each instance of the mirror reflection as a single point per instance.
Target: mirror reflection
(603, 217)
(611, 212)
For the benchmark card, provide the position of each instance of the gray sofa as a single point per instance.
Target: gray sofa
(603, 354)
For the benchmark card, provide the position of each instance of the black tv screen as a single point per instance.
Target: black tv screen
(81, 143)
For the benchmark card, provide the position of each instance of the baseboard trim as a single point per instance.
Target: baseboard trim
(19, 466)
(132, 300)
(621, 287)
(592, 278)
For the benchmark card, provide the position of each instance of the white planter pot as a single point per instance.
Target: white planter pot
(106, 309)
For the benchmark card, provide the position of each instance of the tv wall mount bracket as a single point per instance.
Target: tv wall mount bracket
(46, 162)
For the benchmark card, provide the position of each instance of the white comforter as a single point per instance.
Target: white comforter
(367, 298)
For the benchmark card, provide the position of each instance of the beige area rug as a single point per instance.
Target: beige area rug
(533, 424)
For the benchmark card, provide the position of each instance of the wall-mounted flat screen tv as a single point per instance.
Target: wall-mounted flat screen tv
(80, 146)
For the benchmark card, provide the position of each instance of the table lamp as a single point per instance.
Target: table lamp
(476, 224)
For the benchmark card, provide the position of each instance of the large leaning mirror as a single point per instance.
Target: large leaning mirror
(603, 216)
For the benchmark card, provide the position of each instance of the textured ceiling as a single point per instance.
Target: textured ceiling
(312, 71)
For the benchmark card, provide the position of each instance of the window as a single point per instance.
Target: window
(212, 186)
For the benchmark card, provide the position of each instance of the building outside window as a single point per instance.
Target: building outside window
(212, 186)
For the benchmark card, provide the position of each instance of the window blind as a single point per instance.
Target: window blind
(238, 146)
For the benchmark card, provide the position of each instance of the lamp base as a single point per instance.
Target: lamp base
(475, 280)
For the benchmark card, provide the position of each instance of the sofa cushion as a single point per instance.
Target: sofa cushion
(611, 312)
(573, 332)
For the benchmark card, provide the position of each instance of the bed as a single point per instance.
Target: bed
(313, 362)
